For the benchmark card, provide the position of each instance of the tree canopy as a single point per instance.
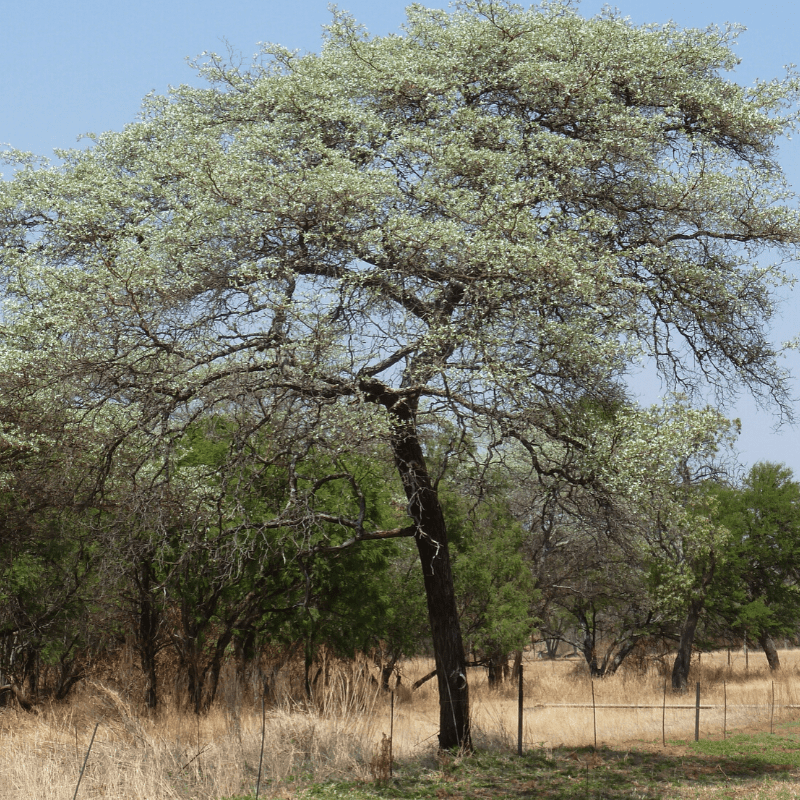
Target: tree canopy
(756, 591)
(484, 220)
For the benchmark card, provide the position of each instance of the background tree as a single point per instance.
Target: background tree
(756, 587)
(482, 220)
(618, 568)
(494, 586)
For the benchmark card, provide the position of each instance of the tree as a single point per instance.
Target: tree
(50, 563)
(756, 589)
(483, 220)
(600, 602)
(622, 571)
(494, 589)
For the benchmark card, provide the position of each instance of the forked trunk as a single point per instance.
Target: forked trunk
(498, 670)
(431, 538)
(770, 651)
(386, 672)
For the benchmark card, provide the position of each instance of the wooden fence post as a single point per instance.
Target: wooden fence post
(83, 768)
(391, 738)
(520, 711)
(725, 712)
(697, 714)
(772, 710)
(261, 754)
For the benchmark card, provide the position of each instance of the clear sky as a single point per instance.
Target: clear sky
(73, 66)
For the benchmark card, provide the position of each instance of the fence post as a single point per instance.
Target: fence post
(594, 716)
(391, 738)
(519, 715)
(83, 768)
(664, 717)
(261, 754)
(697, 714)
(725, 712)
(772, 710)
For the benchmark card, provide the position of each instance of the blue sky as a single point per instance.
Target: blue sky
(74, 66)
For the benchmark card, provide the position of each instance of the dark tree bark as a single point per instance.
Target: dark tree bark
(498, 669)
(148, 622)
(589, 641)
(215, 667)
(431, 538)
(551, 646)
(622, 652)
(683, 659)
(387, 669)
(517, 665)
(244, 652)
(770, 651)
(25, 702)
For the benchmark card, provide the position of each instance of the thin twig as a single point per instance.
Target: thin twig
(199, 753)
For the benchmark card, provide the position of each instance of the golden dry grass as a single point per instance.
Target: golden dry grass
(553, 689)
(178, 755)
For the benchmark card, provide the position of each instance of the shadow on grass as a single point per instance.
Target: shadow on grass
(719, 768)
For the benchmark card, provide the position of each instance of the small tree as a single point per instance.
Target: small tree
(756, 587)
(494, 587)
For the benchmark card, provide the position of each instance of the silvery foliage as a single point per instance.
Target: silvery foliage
(497, 212)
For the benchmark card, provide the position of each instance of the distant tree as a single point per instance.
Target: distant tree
(481, 220)
(618, 568)
(757, 586)
(494, 586)
(51, 592)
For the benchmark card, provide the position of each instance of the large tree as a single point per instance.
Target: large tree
(482, 219)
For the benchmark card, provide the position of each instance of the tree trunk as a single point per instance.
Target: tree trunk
(498, 670)
(244, 652)
(771, 652)
(517, 665)
(494, 678)
(589, 641)
(211, 680)
(431, 538)
(683, 659)
(623, 651)
(147, 627)
(30, 675)
(386, 671)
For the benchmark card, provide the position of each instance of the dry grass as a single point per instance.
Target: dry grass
(749, 702)
(565, 681)
(178, 755)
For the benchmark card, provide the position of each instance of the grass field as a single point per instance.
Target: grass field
(332, 747)
(755, 767)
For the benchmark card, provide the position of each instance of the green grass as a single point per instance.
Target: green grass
(745, 767)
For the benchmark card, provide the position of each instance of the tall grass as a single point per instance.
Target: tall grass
(339, 731)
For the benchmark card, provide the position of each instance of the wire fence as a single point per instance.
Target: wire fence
(581, 711)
